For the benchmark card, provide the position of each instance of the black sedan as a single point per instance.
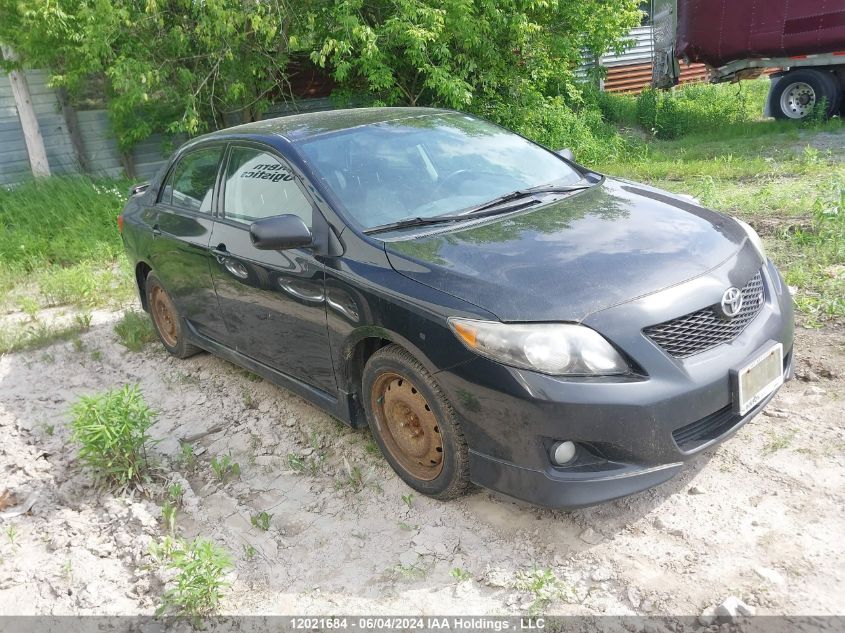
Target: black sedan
(494, 312)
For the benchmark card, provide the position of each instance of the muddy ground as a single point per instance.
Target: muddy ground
(761, 517)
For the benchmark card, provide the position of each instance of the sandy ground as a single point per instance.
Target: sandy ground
(761, 517)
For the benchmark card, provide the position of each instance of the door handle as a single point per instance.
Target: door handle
(156, 230)
(220, 253)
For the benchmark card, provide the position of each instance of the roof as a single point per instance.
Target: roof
(297, 127)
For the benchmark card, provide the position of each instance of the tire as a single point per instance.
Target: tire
(402, 399)
(795, 94)
(166, 320)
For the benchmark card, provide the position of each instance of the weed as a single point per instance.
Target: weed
(67, 571)
(461, 575)
(96, 355)
(295, 462)
(250, 552)
(407, 527)
(197, 585)
(224, 468)
(251, 376)
(12, 534)
(261, 521)
(408, 499)
(543, 585)
(411, 572)
(168, 515)
(187, 459)
(34, 336)
(175, 492)
(78, 345)
(83, 320)
(135, 330)
(248, 398)
(778, 442)
(50, 429)
(111, 429)
(29, 306)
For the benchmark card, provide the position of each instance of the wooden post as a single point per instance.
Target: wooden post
(72, 124)
(26, 114)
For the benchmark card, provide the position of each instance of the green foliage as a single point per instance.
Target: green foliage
(111, 429)
(550, 122)
(261, 521)
(451, 52)
(224, 468)
(59, 221)
(135, 330)
(35, 335)
(693, 108)
(176, 66)
(199, 567)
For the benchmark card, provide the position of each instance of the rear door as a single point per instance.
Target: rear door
(273, 301)
(182, 224)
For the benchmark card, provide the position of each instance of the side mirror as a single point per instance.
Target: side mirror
(566, 153)
(280, 232)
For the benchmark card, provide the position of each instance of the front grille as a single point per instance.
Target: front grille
(705, 329)
(701, 431)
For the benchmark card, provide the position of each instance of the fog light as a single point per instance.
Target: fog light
(562, 452)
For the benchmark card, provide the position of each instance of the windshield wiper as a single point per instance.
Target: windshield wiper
(491, 207)
(523, 193)
(444, 219)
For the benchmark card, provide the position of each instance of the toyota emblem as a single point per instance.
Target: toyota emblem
(731, 302)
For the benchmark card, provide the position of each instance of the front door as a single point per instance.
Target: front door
(181, 227)
(273, 301)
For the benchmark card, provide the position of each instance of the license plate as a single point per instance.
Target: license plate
(759, 378)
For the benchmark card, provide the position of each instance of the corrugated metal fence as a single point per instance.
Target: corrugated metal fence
(101, 152)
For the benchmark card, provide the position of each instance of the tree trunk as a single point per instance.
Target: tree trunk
(26, 114)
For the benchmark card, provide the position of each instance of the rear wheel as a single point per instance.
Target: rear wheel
(797, 94)
(414, 424)
(166, 319)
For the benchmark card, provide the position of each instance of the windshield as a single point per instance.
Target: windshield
(429, 165)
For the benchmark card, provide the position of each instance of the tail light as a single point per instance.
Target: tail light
(120, 223)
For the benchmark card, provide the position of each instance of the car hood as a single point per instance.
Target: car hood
(610, 244)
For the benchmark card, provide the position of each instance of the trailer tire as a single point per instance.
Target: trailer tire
(795, 95)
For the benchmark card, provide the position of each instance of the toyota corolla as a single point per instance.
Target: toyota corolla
(494, 312)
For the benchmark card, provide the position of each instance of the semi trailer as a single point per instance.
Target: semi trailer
(800, 44)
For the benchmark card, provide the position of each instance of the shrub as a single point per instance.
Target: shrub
(111, 428)
(199, 566)
(550, 122)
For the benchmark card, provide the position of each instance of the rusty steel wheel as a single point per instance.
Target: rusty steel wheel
(166, 319)
(414, 424)
(164, 315)
(409, 428)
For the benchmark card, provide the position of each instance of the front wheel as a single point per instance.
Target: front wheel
(168, 324)
(414, 425)
(797, 94)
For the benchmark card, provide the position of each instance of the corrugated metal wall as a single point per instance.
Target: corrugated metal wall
(14, 164)
(630, 71)
(95, 132)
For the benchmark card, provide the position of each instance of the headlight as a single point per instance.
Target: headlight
(755, 240)
(560, 349)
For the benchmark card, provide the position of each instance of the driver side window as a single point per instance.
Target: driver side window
(259, 186)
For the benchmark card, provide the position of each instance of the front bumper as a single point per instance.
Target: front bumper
(633, 432)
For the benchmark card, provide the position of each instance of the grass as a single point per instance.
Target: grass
(31, 336)
(59, 242)
(135, 330)
(111, 429)
(785, 179)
